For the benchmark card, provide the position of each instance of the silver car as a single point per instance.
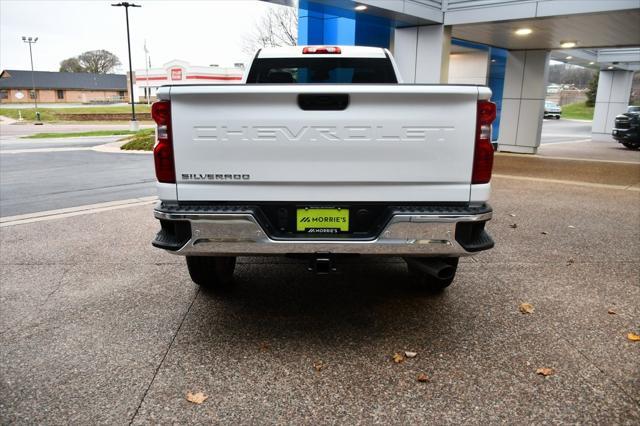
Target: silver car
(552, 110)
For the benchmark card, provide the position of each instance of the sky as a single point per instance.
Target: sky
(201, 32)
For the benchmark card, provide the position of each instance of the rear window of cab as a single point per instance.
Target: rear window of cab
(328, 70)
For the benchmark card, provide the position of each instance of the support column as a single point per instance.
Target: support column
(525, 88)
(422, 53)
(612, 98)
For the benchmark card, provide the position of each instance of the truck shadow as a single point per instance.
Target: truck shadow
(366, 300)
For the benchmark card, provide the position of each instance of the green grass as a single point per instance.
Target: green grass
(142, 141)
(79, 134)
(577, 111)
(50, 114)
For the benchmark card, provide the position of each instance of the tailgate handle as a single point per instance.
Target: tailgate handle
(323, 102)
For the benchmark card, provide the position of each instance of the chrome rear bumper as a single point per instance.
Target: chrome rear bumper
(405, 234)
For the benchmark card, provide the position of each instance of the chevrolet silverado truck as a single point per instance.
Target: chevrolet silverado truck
(323, 153)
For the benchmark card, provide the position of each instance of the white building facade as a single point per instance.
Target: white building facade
(178, 72)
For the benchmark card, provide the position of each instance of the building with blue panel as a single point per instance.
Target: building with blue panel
(504, 44)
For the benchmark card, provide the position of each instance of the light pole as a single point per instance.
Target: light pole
(147, 89)
(31, 41)
(134, 123)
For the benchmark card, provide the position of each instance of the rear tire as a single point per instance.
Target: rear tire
(631, 146)
(212, 272)
(427, 282)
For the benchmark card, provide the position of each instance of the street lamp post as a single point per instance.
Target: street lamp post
(134, 123)
(31, 41)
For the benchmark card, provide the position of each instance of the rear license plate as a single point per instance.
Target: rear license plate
(322, 221)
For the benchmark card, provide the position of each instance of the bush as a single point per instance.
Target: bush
(142, 141)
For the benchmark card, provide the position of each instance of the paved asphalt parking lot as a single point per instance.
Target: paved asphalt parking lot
(47, 174)
(97, 326)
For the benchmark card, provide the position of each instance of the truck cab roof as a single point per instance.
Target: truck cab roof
(345, 52)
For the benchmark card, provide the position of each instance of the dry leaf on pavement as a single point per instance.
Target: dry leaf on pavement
(318, 365)
(422, 378)
(512, 215)
(544, 233)
(514, 226)
(397, 358)
(196, 398)
(409, 354)
(611, 312)
(572, 227)
(545, 371)
(633, 336)
(264, 347)
(570, 262)
(526, 308)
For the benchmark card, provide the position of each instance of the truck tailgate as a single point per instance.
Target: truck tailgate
(390, 142)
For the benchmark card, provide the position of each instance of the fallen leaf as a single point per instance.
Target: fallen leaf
(196, 398)
(633, 336)
(264, 347)
(397, 358)
(611, 312)
(318, 365)
(410, 354)
(422, 378)
(570, 262)
(512, 215)
(514, 226)
(545, 371)
(544, 233)
(526, 308)
(571, 227)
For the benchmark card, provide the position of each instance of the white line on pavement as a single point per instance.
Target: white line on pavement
(634, 187)
(34, 150)
(74, 211)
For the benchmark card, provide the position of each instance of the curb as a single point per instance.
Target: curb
(114, 148)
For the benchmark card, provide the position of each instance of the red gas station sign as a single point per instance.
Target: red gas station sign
(176, 73)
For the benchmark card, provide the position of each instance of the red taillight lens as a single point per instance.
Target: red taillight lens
(328, 50)
(483, 154)
(163, 151)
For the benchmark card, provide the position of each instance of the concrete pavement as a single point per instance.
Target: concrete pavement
(99, 327)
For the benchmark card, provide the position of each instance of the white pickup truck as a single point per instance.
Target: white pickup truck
(321, 152)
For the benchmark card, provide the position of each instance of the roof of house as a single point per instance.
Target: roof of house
(18, 79)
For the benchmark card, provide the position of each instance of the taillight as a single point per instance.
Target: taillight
(483, 154)
(327, 50)
(163, 151)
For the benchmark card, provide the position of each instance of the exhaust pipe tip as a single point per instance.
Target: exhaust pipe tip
(446, 272)
(435, 268)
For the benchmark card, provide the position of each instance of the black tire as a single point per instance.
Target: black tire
(631, 146)
(211, 272)
(557, 117)
(427, 282)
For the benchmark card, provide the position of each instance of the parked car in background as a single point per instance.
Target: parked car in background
(626, 129)
(552, 110)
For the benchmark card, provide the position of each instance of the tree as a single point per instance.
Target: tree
(592, 90)
(570, 74)
(279, 27)
(93, 61)
(71, 65)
